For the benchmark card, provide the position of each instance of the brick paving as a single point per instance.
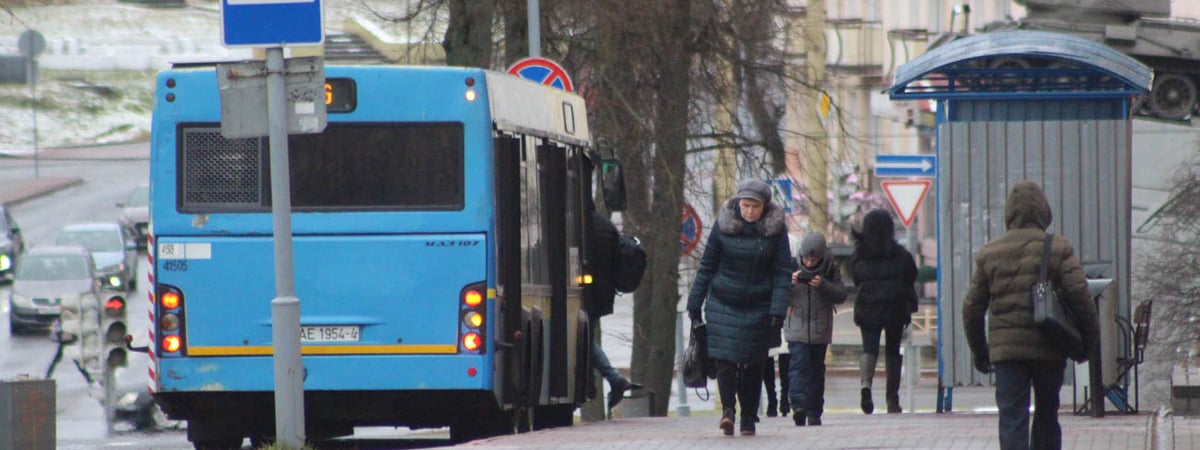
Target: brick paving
(952, 431)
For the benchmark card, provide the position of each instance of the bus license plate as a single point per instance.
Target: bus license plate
(329, 334)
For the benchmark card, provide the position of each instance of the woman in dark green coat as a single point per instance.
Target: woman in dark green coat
(744, 275)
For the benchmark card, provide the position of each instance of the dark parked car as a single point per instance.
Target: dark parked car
(49, 281)
(135, 214)
(113, 250)
(11, 244)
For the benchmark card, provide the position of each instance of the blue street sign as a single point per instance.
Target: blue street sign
(272, 23)
(782, 193)
(905, 165)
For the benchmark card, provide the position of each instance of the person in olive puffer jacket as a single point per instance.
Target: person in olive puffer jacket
(808, 328)
(1005, 270)
(742, 288)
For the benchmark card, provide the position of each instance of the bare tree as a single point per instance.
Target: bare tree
(647, 70)
(1170, 276)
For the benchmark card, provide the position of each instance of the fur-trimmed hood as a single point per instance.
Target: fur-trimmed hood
(771, 223)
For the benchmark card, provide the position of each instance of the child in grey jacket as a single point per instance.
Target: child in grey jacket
(808, 328)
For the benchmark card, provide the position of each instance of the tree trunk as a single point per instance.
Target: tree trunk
(516, 30)
(468, 41)
(656, 302)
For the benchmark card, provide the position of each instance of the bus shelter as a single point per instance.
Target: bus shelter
(1027, 105)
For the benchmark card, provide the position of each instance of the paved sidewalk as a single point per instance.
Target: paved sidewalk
(954, 431)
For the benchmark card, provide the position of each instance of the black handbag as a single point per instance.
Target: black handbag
(697, 368)
(1052, 316)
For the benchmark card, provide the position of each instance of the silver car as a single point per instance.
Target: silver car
(113, 251)
(11, 244)
(51, 282)
(135, 214)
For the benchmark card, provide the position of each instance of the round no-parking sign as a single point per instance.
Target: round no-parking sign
(689, 235)
(544, 71)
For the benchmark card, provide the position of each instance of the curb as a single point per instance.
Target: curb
(1160, 430)
(37, 188)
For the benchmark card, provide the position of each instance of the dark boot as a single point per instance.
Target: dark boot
(727, 421)
(749, 394)
(866, 373)
(769, 384)
(616, 392)
(747, 426)
(785, 405)
(727, 389)
(799, 418)
(893, 383)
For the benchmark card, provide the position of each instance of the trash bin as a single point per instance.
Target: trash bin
(637, 403)
(27, 414)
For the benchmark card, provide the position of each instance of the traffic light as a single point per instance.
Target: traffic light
(115, 328)
(77, 332)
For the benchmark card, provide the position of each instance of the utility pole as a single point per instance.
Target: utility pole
(814, 105)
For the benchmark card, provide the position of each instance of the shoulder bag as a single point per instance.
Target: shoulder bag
(697, 368)
(1052, 316)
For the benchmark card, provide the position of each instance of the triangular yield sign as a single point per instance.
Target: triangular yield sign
(906, 197)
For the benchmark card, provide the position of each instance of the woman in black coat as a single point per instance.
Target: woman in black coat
(744, 275)
(884, 277)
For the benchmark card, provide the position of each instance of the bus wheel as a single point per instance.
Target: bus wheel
(218, 444)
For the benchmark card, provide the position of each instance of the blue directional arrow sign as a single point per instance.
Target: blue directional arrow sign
(905, 165)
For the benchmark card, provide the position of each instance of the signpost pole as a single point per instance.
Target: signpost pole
(32, 77)
(912, 353)
(285, 307)
(31, 43)
(535, 28)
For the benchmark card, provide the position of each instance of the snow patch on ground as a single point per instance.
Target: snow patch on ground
(83, 107)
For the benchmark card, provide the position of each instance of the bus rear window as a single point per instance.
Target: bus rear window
(346, 167)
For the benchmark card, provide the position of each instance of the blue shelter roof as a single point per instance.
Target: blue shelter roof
(1020, 63)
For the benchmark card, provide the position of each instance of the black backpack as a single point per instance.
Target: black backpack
(631, 263)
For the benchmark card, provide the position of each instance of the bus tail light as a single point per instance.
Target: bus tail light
(171, 343)
(472, 298)
(473, 320)
(473, 312)
(169, 300)
(171, 323)
(472, 342)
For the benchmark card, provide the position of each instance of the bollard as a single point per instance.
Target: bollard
(27, 414)
(912, 369)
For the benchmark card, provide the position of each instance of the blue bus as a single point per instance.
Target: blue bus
(440, 249)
